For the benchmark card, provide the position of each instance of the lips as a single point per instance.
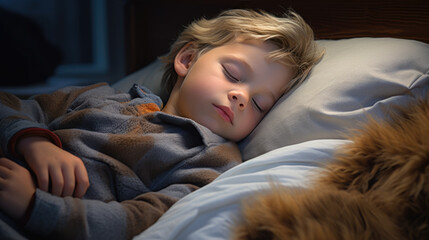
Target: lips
(225, 113)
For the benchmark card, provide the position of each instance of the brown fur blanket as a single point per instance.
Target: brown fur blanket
(376, 187)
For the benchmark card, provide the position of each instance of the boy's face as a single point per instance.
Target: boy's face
(228, 89)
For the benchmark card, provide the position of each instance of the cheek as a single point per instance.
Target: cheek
(204, 87)
(195, 97)
(195, 94)
(248, 123)
(199, 84)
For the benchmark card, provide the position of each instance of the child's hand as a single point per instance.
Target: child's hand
(66, 172)
(16, 188)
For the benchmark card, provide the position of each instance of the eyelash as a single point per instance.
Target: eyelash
(229, 75)
(232, 78)
(257, 106)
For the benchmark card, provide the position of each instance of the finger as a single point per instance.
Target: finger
(57, 181)
(4, 172)
(6, 167)
(7, 163)
(69, 182)
(43, 179)
(2, 183)
(82, 181)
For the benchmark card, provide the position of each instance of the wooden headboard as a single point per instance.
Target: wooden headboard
(151, 26)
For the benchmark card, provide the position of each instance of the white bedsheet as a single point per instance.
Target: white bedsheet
(209, 213)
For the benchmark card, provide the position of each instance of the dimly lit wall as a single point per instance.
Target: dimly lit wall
(61, 42)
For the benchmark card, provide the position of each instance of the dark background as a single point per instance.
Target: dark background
(47, 44)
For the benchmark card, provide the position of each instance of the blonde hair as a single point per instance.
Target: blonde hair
(290, 33)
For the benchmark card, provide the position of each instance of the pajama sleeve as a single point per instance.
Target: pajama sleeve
(72, 218)
(34, 116)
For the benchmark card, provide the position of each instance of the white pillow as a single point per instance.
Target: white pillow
(356, 77)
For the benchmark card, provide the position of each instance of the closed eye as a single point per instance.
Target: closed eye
(229, 75)
(257, 106)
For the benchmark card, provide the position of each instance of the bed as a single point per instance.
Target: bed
(377, 53)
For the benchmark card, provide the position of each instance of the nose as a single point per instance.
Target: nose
(239, 98)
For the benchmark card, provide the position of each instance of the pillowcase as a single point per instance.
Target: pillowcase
(357, 77)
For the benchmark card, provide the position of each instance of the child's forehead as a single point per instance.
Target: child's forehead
(269, 46)
(267, 50)
(250, 47)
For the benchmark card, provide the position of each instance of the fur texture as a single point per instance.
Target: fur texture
(376, 187)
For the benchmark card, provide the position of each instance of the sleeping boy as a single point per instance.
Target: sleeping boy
(91, 162)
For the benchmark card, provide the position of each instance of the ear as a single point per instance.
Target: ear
(184, 59)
